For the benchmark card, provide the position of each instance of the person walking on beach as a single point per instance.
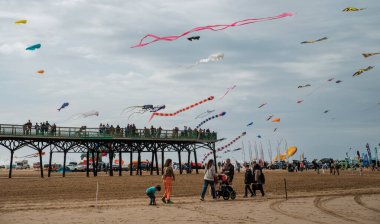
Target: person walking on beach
(168, 178)
(259, 179)
(209, 179)
(248, 180)
(336, 167)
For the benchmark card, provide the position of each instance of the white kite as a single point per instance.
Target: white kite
(86, 114)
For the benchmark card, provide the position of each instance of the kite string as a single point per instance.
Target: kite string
(209, 27)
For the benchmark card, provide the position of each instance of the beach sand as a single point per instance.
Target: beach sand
(312, 198)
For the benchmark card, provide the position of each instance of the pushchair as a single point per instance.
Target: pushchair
(224, 190)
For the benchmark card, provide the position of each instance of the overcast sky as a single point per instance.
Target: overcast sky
(88, 62)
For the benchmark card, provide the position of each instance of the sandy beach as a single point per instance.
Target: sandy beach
(312, 198)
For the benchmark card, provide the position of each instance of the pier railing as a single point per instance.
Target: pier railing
(106, 133)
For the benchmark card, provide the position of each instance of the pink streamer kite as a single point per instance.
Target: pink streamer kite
(210, 27)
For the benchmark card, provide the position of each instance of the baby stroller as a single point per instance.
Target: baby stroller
(225, 190)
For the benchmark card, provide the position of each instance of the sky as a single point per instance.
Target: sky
(88, 62)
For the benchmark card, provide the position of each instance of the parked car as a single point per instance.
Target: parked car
(80, 168)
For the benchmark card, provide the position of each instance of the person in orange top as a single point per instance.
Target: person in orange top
(168, 178)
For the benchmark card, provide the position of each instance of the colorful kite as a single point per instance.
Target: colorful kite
(276, 119)
(314, 41)
(223, 147)
(210, 118)
(181, 110)
(210, 27)
(204, 114)
(228, 90)
(33, 47)
(23, 21)
(63, 106)
(307, 85)
(360, 71)
(262, 105)
(366, 55)
(352, 9)
(41, 71)
(249, 124)
(194, 38)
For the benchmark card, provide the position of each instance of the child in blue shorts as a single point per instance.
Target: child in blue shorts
(151, 192)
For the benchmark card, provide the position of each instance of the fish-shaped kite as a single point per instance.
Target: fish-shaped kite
(352, 9)
(86, 114)
(63, 106)
(314, 41)
(23, 21)
(360, 71)
(366, 55)
(33, 47)
(193, 38)
(213, 57)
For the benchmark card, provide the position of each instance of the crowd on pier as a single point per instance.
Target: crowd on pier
(130, 131)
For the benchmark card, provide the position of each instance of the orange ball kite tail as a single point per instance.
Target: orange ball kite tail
(180, 110)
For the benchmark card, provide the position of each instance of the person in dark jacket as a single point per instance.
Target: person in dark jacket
(248, 181)
(259, 179)
(229, 170)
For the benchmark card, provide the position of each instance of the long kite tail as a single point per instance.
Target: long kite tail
(181, 110)
(217, 27)
(210, 118)
(224, 147)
